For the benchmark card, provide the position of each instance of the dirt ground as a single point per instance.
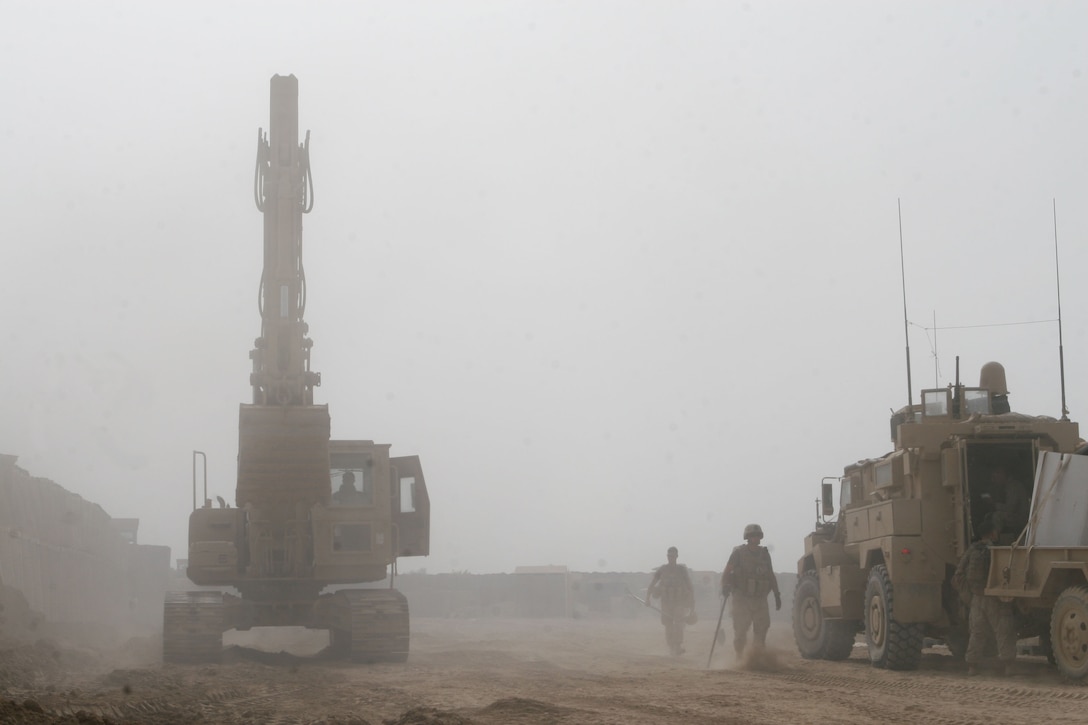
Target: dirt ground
(518, 671)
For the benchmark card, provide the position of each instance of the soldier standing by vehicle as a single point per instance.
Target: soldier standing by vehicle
(672, 584)
(1012, 506)
(989, 615)
(749, 578)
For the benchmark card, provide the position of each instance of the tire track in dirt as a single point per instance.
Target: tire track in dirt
(870, 696)
(907, 682)
(272, 703)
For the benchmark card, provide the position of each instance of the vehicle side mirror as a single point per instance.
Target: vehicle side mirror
(827, 497)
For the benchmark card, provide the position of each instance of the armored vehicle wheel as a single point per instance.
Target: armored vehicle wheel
(1069, 632)
(817, 637)
(892, 645)
(192, 627)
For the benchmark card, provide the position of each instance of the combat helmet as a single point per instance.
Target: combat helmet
(752, 530)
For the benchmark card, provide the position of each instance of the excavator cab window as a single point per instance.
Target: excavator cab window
(352, 486)
(407, 494)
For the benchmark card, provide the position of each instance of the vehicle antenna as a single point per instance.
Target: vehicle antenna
(936, 359)
(1058, 285)
(903, 274)
(956, 392)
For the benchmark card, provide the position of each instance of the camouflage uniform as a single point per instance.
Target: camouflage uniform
(672, 583)
(989, 616)
(748, 578)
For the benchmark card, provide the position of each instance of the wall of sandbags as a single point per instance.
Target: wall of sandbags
(69, 562)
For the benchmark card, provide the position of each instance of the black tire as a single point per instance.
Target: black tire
(892, 645)
(1069, 632)
(818, 638)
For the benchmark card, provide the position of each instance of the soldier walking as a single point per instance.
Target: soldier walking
(672, 585)
(989, 616)
(749, 578)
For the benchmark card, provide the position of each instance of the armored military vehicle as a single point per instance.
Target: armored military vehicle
(1044, 572)
(276, 557)
(883, 565)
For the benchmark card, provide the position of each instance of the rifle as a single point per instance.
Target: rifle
(690, 619)
(642, 601)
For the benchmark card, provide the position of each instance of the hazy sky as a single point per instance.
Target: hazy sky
(624, 274)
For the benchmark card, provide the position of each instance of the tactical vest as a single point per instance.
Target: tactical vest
(674, 584)
(977, 570)
(752, 571)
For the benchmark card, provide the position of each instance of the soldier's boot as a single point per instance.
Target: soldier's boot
(739, 645)
(972, 670)
(1008, 669)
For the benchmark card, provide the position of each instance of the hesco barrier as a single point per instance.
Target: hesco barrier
(555, 592)
(64, 562)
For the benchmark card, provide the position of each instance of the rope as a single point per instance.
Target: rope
(1033, 521)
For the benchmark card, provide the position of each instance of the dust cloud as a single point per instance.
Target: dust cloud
(762, 659)
(492, 671)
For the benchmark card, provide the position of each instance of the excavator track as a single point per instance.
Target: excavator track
(372, 625)
(192, 627)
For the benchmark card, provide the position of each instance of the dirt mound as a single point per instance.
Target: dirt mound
(132, 681)
(29, 665)
(428, 716)
(520, 706)
(29, 712)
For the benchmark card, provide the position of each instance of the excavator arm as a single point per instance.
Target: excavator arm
(283, 191)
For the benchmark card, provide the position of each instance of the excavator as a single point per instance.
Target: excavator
(291, 551)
